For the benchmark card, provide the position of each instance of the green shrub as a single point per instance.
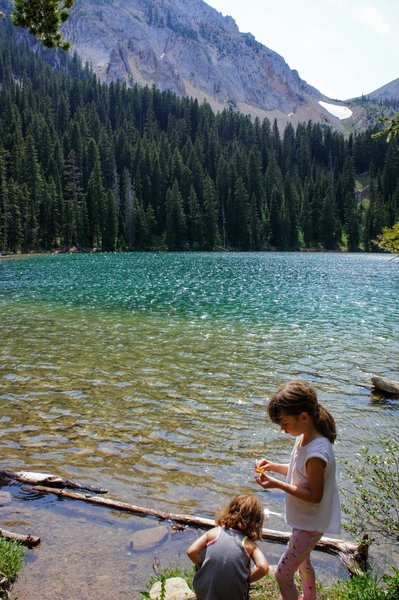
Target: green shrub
(373, 506)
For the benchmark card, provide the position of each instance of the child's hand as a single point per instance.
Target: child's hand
(261, 466)
(265, 480)
(261, 476)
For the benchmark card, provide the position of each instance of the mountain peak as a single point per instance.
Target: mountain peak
(191, 49)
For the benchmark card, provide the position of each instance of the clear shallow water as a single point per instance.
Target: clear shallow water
(149, 373)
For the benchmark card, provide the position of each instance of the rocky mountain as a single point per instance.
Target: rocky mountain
(191, 49)
(389, 92)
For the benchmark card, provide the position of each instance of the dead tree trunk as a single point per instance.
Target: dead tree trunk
(353, 556)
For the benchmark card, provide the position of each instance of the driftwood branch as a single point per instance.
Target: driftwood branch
(27, 540)
(353, 556)
(49, 480)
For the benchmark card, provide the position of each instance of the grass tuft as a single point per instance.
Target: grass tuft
(11, 561)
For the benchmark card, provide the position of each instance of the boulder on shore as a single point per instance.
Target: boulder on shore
(176, 588)
(384, 384)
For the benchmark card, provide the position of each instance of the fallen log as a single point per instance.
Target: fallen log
(353, 556)
(385, 384)
(50, 480)
(186, 519)
(27, 540)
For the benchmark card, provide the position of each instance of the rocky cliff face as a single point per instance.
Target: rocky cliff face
(191, 49)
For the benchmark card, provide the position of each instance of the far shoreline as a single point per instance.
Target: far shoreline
(218, 250)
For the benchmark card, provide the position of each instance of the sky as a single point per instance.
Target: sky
(344, 48)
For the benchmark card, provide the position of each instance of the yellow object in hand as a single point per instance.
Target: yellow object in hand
(260, 470)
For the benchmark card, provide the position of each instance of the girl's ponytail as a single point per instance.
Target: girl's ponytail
(325, 423)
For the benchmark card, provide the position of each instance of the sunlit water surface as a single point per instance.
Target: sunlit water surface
(149, 374)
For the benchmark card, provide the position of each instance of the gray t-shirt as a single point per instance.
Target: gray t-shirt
(225, 568)
(324, 517)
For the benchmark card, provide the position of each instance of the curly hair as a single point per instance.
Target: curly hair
(245, 513)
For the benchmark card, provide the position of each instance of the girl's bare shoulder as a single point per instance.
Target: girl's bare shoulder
(213, 533)
(249, 545)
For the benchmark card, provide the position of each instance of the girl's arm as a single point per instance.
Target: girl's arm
(261, 567)
(312, 492)
(267, 465)
(194, 551)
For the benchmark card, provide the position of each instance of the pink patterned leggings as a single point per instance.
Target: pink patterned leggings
(297, 557)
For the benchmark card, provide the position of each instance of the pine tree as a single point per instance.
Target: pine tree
(328, 222)
(277, 232)
(254, 225)
(110, 223)
(390, 173)
(73, 198)
(222, 190)
(239, 217)
(5, 208)
(127, 212)
(210, 226)
(195, 234)
(351, 209)
(96, 202)
(176, 229)
(306, 219)
(291, 196)
(32, 176)
(14, 233)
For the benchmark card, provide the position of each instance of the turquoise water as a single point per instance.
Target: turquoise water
(149, 373)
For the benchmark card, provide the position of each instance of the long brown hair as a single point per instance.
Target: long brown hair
(296, 397)
(245, 513)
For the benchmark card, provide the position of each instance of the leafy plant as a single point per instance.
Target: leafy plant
(389, 239)
(11, 560)
(373, 507)
(162, 578)
(391, 131)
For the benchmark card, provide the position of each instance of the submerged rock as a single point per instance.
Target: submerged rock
(145, 539)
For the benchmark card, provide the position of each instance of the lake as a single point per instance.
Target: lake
(149, 373)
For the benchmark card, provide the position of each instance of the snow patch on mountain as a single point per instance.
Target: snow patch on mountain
(342, 112)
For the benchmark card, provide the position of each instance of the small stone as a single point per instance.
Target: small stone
(145, 539)
(5, 498)
(176, 588)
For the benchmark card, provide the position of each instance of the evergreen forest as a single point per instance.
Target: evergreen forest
(84, 166)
